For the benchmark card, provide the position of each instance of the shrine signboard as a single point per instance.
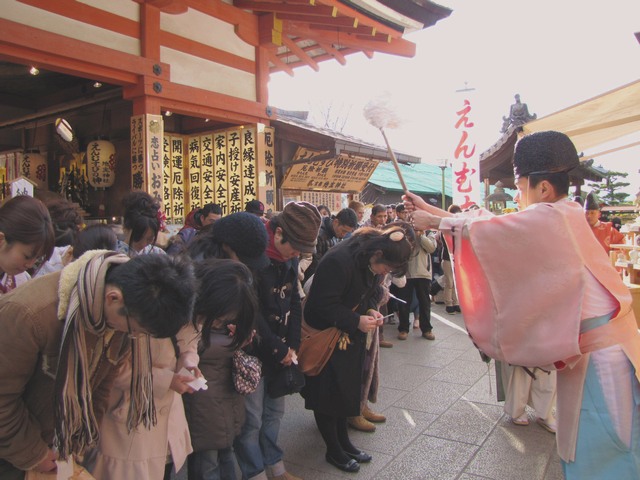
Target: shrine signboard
(228, 167)
(343, 173)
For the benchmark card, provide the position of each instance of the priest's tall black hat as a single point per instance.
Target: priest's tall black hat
(592, 202)
(544, 153)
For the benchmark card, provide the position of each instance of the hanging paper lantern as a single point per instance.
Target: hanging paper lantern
(101, 163)
(34, 167)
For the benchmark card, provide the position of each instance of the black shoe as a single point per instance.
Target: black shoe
(439, 303)
(457, 307)
(451, 310)
(360, 457)
(352, 466)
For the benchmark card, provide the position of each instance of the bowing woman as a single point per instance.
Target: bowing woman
(26, 236)
(344, 294)
(142, 222)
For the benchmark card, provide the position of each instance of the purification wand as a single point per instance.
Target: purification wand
(379, 114)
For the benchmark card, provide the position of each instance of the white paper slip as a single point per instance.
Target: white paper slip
(198, 383)
(65, 469)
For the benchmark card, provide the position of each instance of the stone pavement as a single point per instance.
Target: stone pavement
(443, 421)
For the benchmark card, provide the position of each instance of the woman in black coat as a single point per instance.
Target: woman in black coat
(344, 295)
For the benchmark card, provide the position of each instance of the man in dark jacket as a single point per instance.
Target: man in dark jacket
(332, 230)
(292, 232)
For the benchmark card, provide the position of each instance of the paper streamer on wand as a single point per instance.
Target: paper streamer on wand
(380, 114)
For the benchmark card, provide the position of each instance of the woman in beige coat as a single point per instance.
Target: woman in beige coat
(143, 453)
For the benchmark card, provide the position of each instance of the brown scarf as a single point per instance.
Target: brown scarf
(76, 424)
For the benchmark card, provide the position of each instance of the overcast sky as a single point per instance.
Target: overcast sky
(554, 53)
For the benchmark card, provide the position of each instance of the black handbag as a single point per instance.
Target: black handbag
(286, 381)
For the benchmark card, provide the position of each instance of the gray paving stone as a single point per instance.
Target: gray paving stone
(401, 427)
(457, 341)
(429, 458)
(466, 476)
(514, 453)
(484, 390)
(386, 398)
(432, 397)
(406, 377)
(432, 356)
(554, 470)
(466, 422)
(471, 353)
(461, 371)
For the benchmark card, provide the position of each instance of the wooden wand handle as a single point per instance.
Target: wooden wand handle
(395, 162)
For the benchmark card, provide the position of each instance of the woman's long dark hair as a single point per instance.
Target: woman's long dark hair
(26, 220)
(140, 213)
(66, 221)
(205, 245)
(94, 237)
(394, 243)
(226, 290)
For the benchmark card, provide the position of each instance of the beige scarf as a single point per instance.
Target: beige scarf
(82, 305)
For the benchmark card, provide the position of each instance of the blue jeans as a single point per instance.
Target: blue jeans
(212, 465)
(257, 445)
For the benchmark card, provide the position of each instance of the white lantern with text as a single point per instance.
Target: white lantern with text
(101, 163)
(34, 167)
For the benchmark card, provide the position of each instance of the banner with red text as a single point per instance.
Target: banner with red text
(466, 160)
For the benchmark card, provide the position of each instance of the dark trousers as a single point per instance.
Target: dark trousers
(421, 286)
(336, 436)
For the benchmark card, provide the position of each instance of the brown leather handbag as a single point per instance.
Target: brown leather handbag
(316, 347)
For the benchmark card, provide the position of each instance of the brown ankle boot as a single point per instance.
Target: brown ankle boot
(361, 423)
(372, 416)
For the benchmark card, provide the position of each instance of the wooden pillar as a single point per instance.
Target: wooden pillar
(147, 139)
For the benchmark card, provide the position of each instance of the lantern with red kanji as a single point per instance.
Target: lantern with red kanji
(34, 167)
(101, 163)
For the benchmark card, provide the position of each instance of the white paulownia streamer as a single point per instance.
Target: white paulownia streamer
(381, 115)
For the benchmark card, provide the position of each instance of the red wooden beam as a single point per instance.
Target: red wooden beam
(74, 56)
(282, 7)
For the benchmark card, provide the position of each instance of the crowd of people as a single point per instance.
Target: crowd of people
(137, 361)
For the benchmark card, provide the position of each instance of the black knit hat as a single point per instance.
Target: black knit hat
(544, 153)
(300, 221)
(246, 235)
(255, 206)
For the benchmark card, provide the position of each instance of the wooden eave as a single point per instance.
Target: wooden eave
(426, 12)
(496, 162)
(305, 134)
(298, 33)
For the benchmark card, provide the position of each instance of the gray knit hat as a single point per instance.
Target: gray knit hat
(300, 221)
(543, 153)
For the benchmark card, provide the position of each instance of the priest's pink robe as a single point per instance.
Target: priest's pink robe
(521, 281)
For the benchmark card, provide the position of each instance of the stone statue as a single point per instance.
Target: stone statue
(518, 115)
